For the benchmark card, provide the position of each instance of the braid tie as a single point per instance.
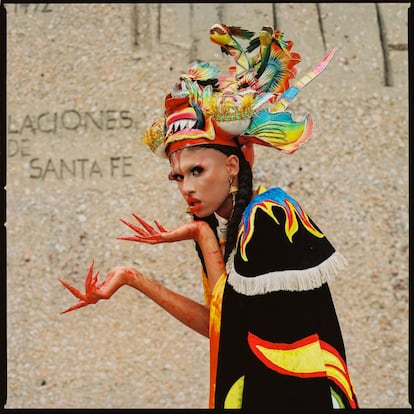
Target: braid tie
(243, 198)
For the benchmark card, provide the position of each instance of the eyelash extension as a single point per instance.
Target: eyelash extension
(177, 177)
(174, 177)
(197, 169)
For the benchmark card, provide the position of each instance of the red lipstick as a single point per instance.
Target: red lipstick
(193, 204)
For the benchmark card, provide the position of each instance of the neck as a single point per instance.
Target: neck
(226, 208)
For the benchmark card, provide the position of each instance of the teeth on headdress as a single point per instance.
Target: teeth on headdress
(180, 125)
(170, 129)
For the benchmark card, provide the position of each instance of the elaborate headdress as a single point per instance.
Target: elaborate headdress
(249, 104)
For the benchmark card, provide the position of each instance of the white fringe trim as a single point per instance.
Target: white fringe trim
(291, 280)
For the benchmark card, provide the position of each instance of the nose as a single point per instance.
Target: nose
(187, 187)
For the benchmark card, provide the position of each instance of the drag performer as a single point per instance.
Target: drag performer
(275, 340)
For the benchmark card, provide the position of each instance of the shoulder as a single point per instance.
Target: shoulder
(267, 199)
(272, 193)
(274, 214)
(279, 243)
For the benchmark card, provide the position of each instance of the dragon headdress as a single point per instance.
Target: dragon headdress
(246, 107)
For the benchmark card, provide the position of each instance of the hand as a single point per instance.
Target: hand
(147, 234)
(95, 291)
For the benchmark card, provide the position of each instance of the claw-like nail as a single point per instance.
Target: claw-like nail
(77, 306)
(132, 238)
(133, 227)
(144, 223)
(73, 290)
(161, 228)
(92, 284)
(88, 279)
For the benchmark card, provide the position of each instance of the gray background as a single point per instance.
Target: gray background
(84, 82)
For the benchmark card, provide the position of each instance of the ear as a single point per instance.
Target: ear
(233, 165)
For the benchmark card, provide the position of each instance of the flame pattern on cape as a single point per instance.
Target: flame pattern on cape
(265, 201)
(309, 357)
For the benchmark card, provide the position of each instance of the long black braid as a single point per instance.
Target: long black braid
(243, 197)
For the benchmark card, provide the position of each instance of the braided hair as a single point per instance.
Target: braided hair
(243, 197)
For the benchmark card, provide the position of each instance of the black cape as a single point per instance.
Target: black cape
(278, 341)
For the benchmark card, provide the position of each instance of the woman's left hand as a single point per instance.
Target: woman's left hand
(150, 235)
(95, 291)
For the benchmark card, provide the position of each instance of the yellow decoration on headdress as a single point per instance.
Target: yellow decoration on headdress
(230, 107)
(154, 137)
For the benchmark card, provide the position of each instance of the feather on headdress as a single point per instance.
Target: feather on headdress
(249, 103)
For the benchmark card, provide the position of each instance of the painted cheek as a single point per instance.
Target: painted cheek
(217, 193)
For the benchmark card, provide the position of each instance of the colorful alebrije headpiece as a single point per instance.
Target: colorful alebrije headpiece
(249, 103)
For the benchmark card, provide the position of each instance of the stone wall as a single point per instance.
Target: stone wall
(84, 81)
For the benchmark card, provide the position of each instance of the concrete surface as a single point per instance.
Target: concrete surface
(84, 82)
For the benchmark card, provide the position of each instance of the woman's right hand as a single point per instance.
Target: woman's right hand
(148, 234)
(199, 231)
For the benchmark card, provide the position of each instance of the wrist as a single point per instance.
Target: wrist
(129, 277)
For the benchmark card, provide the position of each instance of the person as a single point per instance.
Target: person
(275, 340)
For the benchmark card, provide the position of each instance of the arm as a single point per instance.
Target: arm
(190, 313)
(212, 253)
(199, 231)
(187, 311)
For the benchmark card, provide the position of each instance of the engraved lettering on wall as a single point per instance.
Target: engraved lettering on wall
(24, 129)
